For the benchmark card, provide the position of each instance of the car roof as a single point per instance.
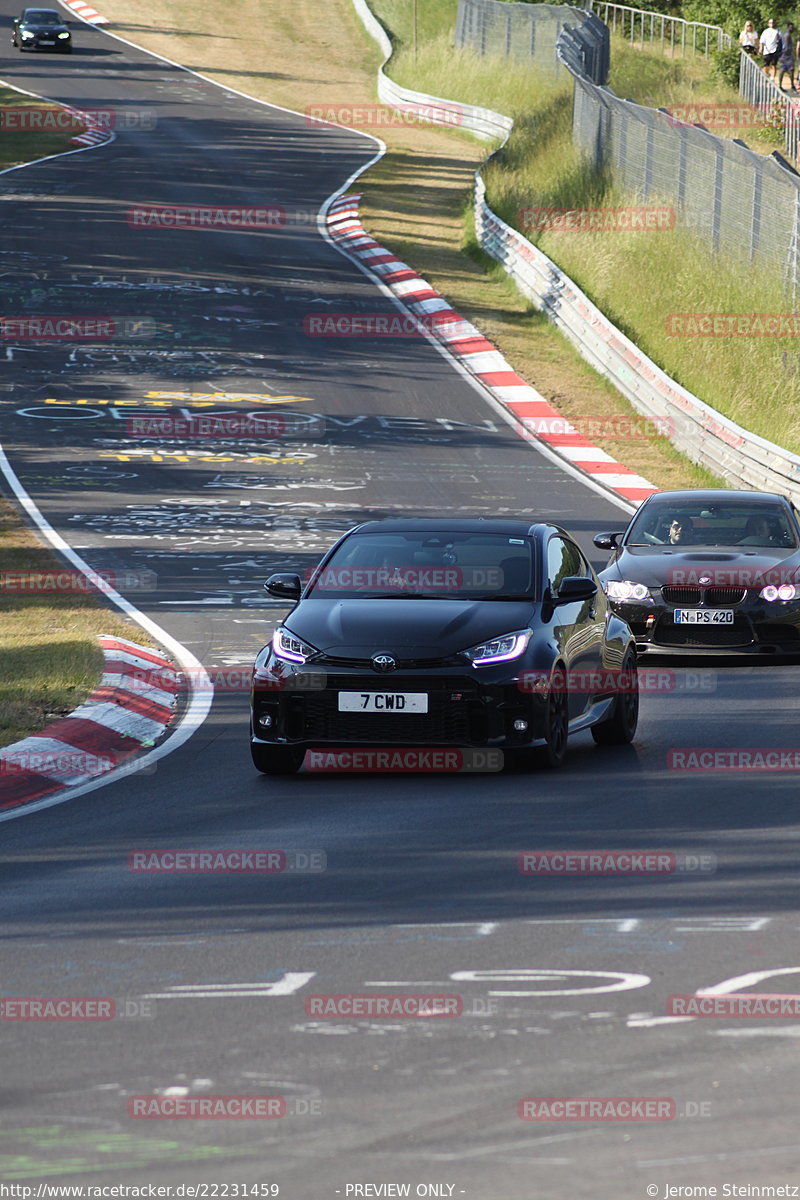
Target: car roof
(446, 524)
(715, 496)
(53, 11)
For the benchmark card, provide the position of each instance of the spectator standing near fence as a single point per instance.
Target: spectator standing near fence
(786, 56)
(770, 43)
(748, 38)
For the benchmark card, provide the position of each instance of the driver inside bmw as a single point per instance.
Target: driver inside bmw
(679, 532)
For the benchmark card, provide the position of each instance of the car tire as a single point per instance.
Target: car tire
(552, 754)
(67, 50)
(277, 760)
(619, 728)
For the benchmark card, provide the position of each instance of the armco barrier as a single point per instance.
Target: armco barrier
(706, 437)
(485, 124)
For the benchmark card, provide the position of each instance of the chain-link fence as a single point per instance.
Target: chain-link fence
(745, 203)
(527, 31)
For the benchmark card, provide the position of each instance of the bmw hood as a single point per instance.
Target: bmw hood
(407, 628)
(742, 566)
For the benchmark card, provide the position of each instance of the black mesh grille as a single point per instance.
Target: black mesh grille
(724, 597)
(681, 595)
(708, 636)
(712, 597)
(778, 633)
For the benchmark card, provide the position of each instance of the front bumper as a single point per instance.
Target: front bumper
(759, 627)
(43, 42)
(463, 710)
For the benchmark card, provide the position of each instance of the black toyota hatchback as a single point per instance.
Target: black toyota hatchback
(41, 29)
(448, 633)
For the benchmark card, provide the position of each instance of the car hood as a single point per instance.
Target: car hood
(410, 628)
(744, 566)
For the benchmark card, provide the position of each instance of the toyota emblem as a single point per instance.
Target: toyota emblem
(383, 662)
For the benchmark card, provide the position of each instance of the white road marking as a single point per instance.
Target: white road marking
(287, 985)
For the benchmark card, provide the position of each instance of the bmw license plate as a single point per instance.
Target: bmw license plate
(704, 616)
(46, 42)
(383, 702)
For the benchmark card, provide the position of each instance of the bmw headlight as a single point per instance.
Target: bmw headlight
(290, 647)
(501, 649)
(626, 589)
(24, 33)
(63, 35)
(786, 591)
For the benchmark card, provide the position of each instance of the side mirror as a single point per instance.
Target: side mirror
(606, 541)
(575, 589)
(285, 586)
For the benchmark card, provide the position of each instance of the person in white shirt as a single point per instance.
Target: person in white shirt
(748, 38)
(770, 44)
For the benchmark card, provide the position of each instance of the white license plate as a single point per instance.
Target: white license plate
(383, 702)
(704, 616)
(46, 42)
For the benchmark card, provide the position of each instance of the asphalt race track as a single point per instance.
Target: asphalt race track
(563, 982)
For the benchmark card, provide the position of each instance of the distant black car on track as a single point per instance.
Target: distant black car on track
(707, 571)
(455, 633)
(41, 29)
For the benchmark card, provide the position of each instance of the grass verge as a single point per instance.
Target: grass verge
(49, 656)
(24, 145)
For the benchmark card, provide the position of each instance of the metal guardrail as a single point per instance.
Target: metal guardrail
(741, 458)
(483, 122)
(655, 27)
(699, 431)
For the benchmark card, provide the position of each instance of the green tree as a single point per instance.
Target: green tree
(732, 14)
